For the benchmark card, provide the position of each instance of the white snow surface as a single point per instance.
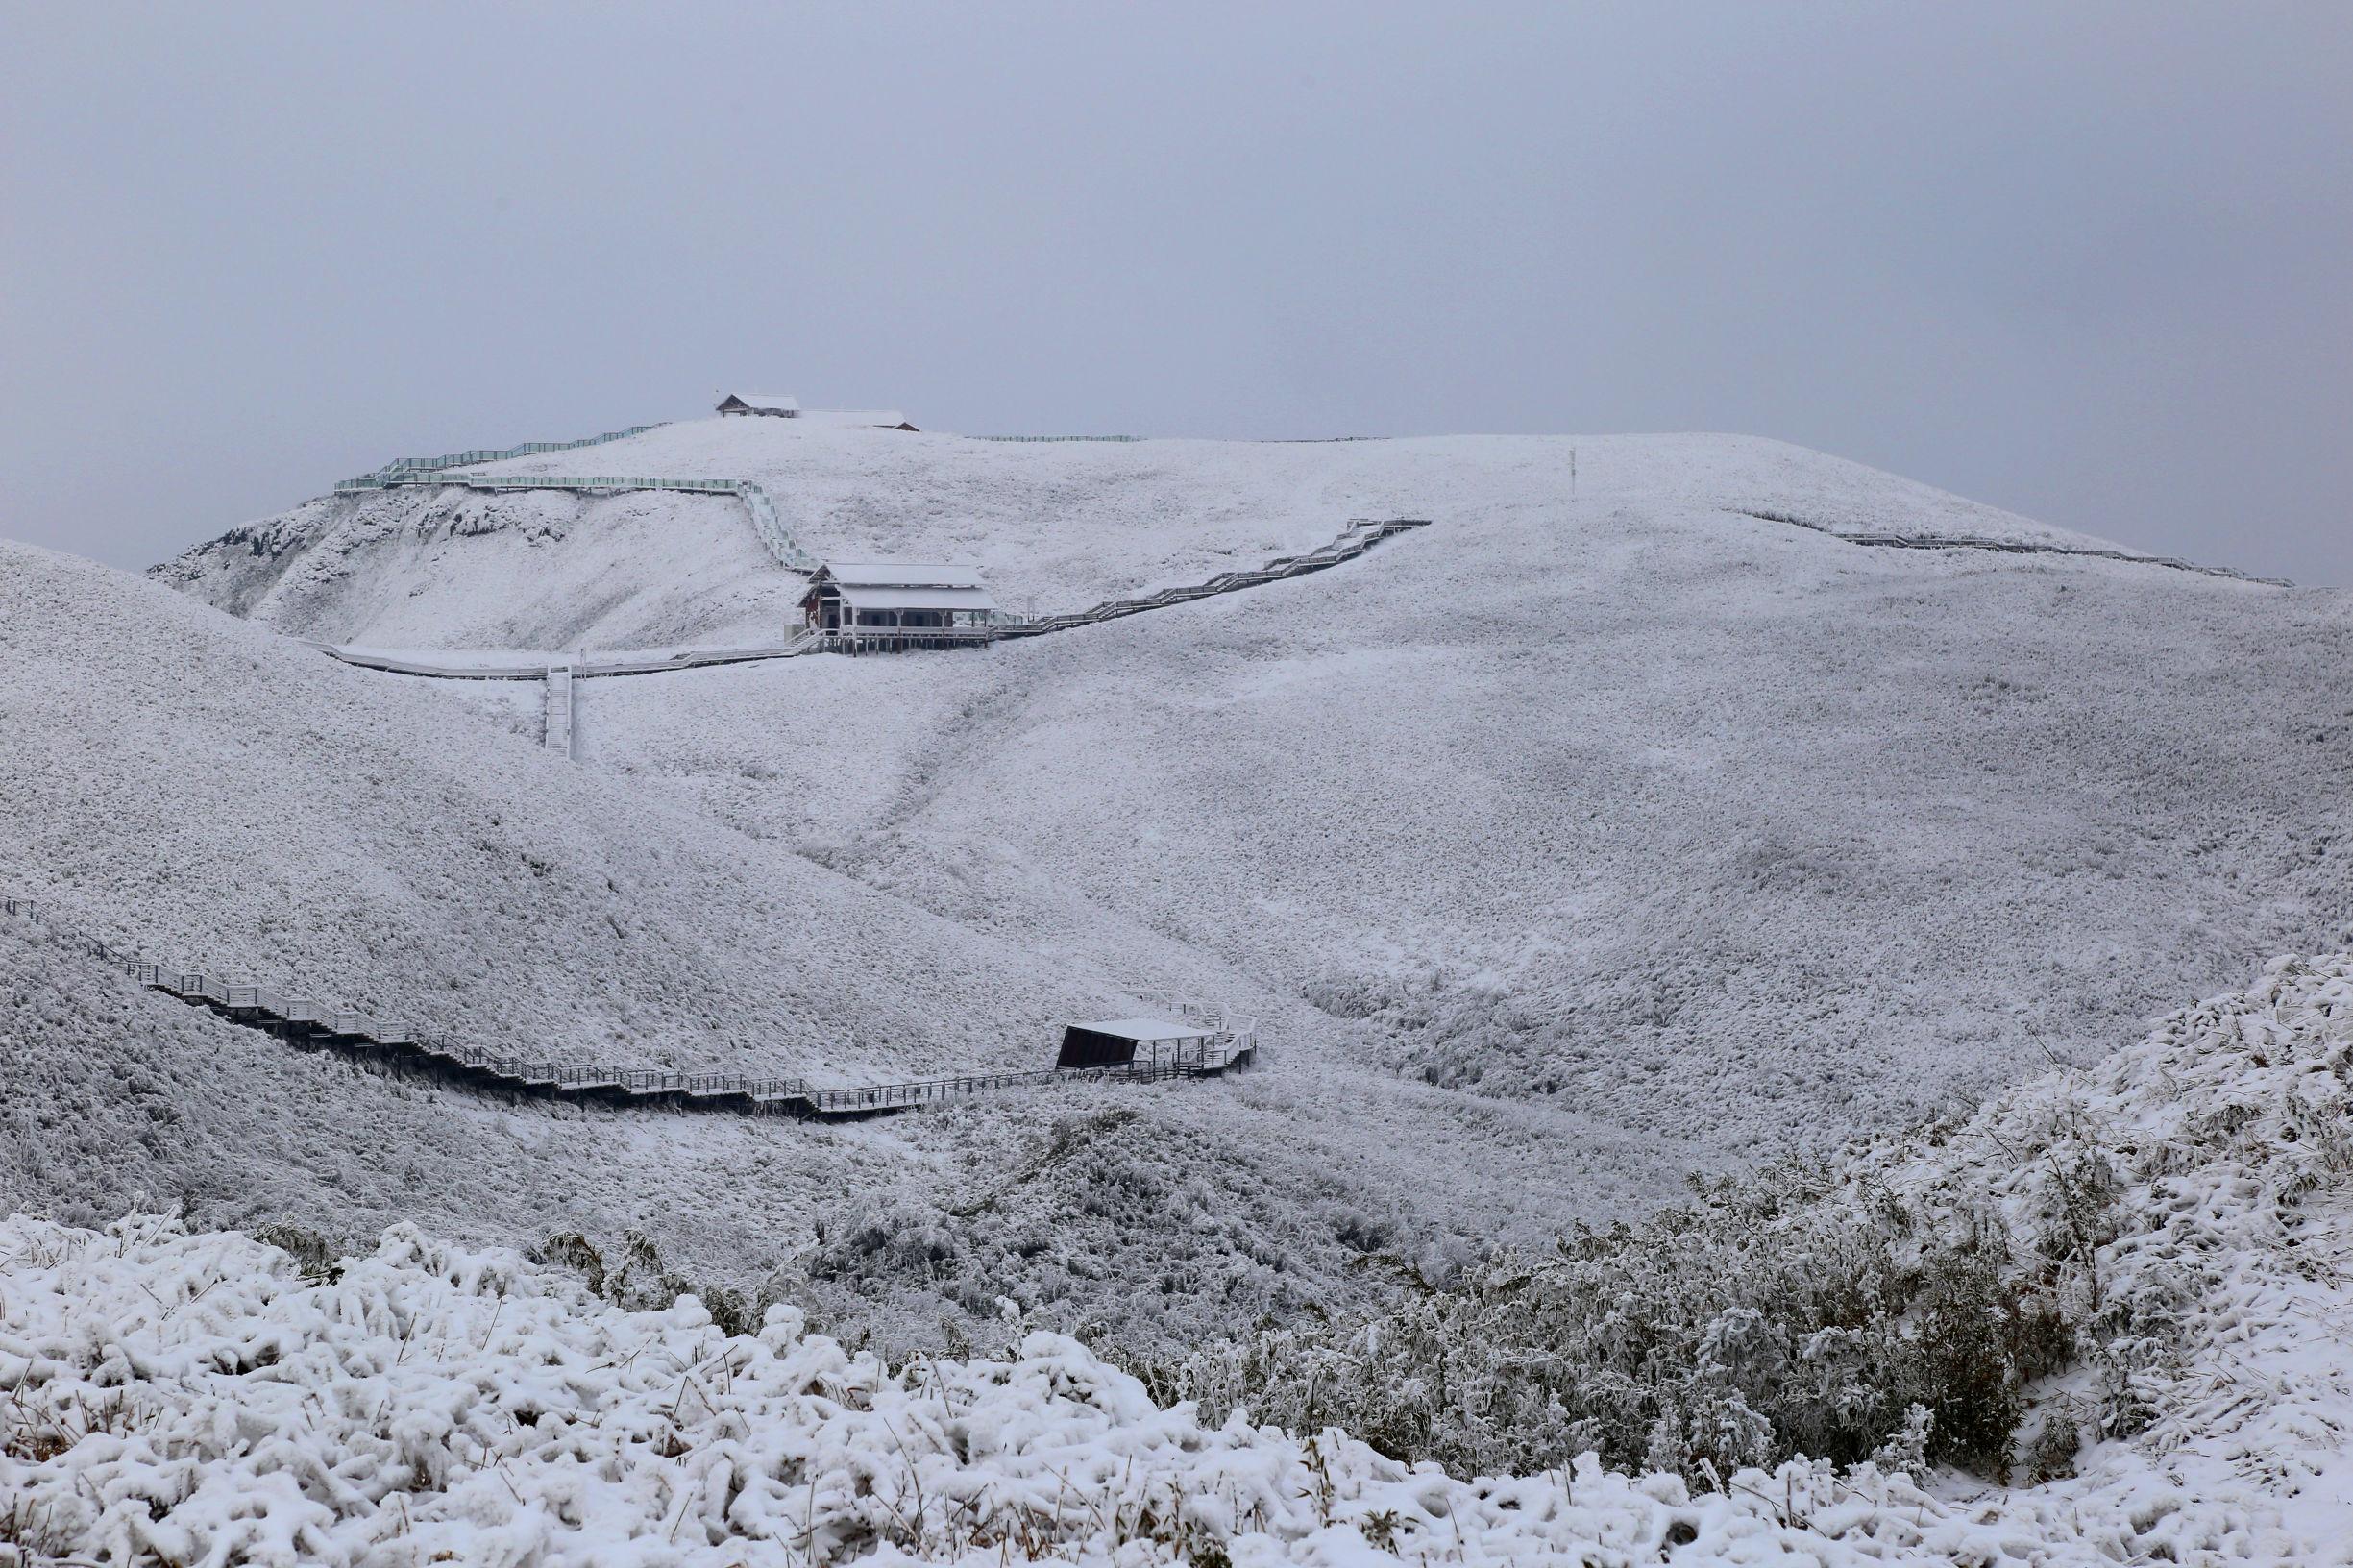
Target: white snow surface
(193, 1398)
(1720, 830)
(1487, 787)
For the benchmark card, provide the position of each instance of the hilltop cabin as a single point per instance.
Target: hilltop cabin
(1120, 1043)
(770, 404)
(877, 606)
(784, 405)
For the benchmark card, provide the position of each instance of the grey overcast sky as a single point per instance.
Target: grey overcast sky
(2093, 262)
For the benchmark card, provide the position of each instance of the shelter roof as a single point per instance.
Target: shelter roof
(1146, 1030)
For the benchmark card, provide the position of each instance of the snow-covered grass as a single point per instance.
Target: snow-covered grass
(202, 1398)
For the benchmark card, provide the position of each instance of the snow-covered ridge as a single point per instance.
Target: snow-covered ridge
(517, 564)
(195, 1397)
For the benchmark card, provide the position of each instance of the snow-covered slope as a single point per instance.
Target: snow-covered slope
(1713, 827)
(1712, 831)
(1055, 526)
(207, 792)
(197, 1397)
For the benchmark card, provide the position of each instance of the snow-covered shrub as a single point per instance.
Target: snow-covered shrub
(1757, 1322)
(1905, 1300)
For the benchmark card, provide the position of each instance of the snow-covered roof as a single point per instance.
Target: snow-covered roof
(900, 575)
(1146, 1030)
(766, 399)
(917, 598)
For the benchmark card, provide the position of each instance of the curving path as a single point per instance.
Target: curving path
(2007, 547)
(438, 471)
(561, 673)
(307, 1022)
(1359, 536)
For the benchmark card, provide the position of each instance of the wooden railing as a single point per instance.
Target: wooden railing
(1360, 536)
(2007, 547)
(789, 551)
(307, 1020)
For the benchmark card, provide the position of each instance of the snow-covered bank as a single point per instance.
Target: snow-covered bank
(195, 1398)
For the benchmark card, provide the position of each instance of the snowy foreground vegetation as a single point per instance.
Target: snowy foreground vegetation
(2116, 1296)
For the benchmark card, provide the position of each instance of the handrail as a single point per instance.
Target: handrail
(497, 455)
(789, 551)
(2012, 547)
(1232, 1046)
(1359, 536)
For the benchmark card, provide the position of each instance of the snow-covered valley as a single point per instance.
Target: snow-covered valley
(1608, 830)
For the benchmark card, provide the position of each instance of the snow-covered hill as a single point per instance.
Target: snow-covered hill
(1624, 821)
(1704, 832)
(205, 790)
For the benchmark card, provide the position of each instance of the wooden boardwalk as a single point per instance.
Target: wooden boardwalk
(306, 1021)
(1359, 536)
(2008, 546)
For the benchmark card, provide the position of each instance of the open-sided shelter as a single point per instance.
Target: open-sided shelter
(885, 597)
(1114, 1043)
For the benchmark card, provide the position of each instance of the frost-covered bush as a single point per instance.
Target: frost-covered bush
(1909, 1301)
(1125, 1227)
(176, 1397)
(1757, 1322)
